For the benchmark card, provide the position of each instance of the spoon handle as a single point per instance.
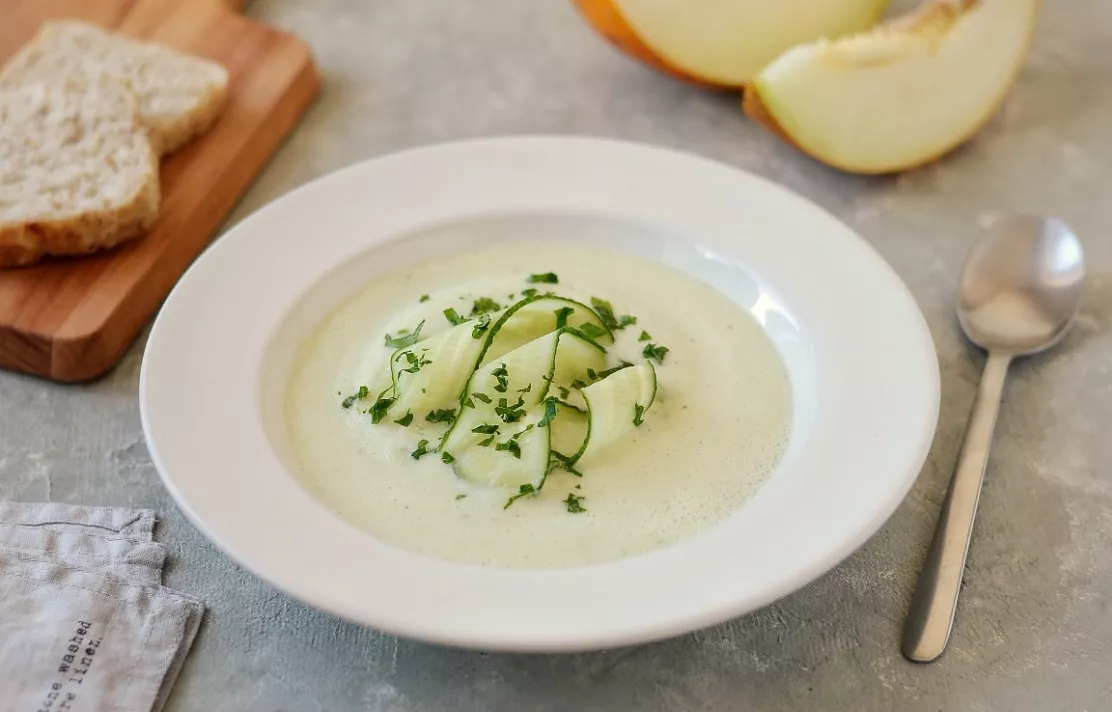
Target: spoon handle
(932, 611)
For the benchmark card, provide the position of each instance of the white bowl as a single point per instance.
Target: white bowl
(860, 359)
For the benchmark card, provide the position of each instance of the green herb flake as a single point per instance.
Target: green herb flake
(486, 442)
(441, 415)
(644, 336)
(467, 403)
(424, 298)
(446, 458)
(481, 397)
(528, 293)
(638, 414)
(511, 447)
(460, 496)
(522, 491)
(603, 374)
(480, 327)
(562, 315)
(360, 395)
(546, 278)
(573, 505)
(404, 339)
(378, 410)
(626, 320)
(421, 451)
(528, 387)
(502, 375)
(510, 413)
(485, 429)
(522, 432)
(606, 312)
(592, 330)
(549, 413)
(484, 305)
(405, 420)
(453, 317)
(564, 392)
(654, 352)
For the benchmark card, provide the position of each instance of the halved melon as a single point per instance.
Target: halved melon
(722, 42)
(901, 95)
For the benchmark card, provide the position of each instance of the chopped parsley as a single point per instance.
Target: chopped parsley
(422, 450)
(378, 410)
(549, 413)
(522, 491)
(404, 338)
(424, 298)
(486, 442)
(350, 400)
(484, 305)
(528, 387)
(510, 413)
(606, 312)
(485, 429)
(405, 420)
(592, 331)
(603, 374)
(522, 432)
(481, 327)
(460, 496)
(503, 377)
(446, 458)
(564, 391)
(573, 505)
(415, 364)
(562, 315)
(467, 403)
(638, 414)
(655, 352)
(511, 447)
(644, 336)
(453, 317)
(441, 415)
(530, 292)
(546, 278)
(481, 397)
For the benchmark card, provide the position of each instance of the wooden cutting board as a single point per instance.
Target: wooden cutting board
(72, 320)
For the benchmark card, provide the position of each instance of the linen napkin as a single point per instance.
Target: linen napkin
(85, 624)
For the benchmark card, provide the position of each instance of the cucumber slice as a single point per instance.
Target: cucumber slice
(516, 386)
(433, 372)
(529, 318)
(613, 404)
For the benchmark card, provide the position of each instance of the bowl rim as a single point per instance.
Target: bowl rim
(879, 396)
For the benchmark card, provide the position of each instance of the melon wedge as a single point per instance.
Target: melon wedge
(722, 42)
(901, 95)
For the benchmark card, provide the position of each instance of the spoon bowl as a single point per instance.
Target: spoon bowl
(1020, 286)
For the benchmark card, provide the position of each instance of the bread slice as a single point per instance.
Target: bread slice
(77, 171)
(179, 95)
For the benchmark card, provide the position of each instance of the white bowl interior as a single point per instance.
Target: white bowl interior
(681, 252)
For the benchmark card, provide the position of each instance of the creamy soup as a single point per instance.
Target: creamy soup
(718, 426)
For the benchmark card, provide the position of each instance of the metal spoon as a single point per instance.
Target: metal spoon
(1018, 293)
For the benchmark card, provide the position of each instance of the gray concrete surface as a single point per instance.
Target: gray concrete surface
(1034, 631)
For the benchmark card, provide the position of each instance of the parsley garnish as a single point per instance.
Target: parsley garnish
(487, 441)
(378, 410)
(564, 392)
(405, 420)
(644, 336)
(530, 292)
(655, 352)
(603, 374)
(404, 339)
(422, 450)
(467, 403)
(528, 387)
(606, 312)
(453, 317)
(350, 400)
(485, 429)
(549, 413)
(510, 413)
(522, 491)
(415, 364)
(562, 315)
(482, 326)
(592, 331)
(481, 397)
(573, 504)
(638, 414)
(546, 278)
(424, 298)
(441, 415)
(626, 320)
(510, 446)
(522, 432)
(484, 305)
(446, 458)
(460, 496)
(503, 377)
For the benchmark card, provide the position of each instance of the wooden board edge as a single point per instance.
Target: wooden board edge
(87, 356)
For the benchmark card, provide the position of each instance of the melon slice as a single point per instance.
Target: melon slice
(902, 94)
(722, 42)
